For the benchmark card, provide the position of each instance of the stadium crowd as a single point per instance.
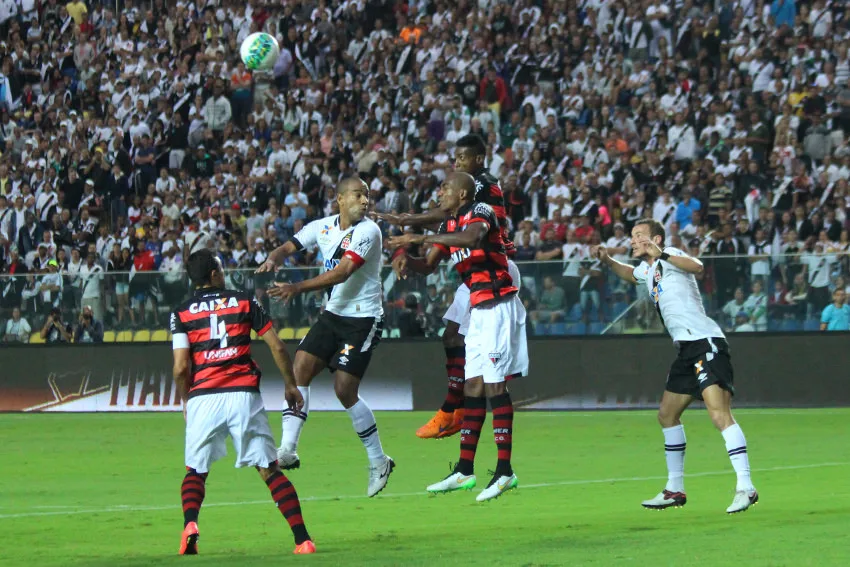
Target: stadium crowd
(131, 137)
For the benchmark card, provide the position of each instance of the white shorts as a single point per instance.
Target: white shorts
(459, 309)
(210, 418)
(496, 346)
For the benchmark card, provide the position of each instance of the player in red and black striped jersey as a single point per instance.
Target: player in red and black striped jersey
(470, 155)
(219, 383)
(495, 342)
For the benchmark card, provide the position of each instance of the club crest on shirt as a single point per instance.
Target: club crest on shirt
(657, 276)
(346, 242)
(495, 357)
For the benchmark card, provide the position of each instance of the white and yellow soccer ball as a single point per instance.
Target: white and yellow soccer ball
(259, 51)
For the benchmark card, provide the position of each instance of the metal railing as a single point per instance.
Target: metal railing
(744, 294)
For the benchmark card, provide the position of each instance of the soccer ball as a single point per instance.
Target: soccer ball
(259, 51)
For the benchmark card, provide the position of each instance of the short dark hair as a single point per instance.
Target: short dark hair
(200, 266)
(472, 143)
(655, 228)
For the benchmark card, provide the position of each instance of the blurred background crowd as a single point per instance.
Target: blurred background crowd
(131, 134)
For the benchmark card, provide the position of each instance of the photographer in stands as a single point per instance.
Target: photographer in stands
(54, 329)
(89, 329)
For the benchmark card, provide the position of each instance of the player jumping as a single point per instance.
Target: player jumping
(349, 328)
(496, 341)
(219, 384)
(470, 154)
(702, 370)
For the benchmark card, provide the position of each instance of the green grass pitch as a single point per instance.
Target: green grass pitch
(104, 490)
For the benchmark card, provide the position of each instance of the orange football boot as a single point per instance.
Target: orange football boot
(305, 548)
(189, 539)
(441, 421)
(457, 423)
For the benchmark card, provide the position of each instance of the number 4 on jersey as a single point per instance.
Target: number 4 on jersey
(218, 330)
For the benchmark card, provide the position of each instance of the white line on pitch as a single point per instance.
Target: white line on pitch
(128, 508)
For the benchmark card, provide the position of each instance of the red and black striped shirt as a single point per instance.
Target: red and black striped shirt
(489, 192)
(484, 270)
(215, 325)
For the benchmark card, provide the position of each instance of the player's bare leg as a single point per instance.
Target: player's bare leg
(718, 402)
(286, 500)
(347, 389)
(306, 367)
(192, 493)
(669, 417)
(449, 418)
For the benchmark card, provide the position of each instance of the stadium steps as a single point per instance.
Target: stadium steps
(124, 337)
(142, 336)
(109, 336)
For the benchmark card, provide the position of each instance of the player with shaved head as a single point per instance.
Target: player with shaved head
(470, 157)
(349, 328)
(496, 346)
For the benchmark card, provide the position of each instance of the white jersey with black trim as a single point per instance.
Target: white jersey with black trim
(361, 295)
(677, 299)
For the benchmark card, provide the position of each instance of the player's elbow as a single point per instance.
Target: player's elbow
(699, 269)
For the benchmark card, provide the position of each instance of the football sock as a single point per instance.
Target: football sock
(455, 362)
(503, 425)
(473, 421)
(294, 420)
(736, 446)
(192, 493)
(674, 451)
(364, 424)
(286, 500)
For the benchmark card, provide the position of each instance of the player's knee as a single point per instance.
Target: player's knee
(721, 418)
(667, 417)
(346, 392)
(473, 388)
(266, 472)
(493, 390)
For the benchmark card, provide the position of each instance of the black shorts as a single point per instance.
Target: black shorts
(344, 343)
(699, 365)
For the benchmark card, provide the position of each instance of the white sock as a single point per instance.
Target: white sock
(364, 424)
(736, 446)
(293, 422)
(674, 451)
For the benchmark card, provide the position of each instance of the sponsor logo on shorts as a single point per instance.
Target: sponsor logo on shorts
(343, 360)
(698, 366)
(221, 354)
(495, 357)
(702, 377)
(346, 349)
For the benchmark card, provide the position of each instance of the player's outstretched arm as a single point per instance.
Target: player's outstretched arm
(277, 256)
(623, 271)
(679, 259)
(429, 218)
(428, 264)
(294, 399)
(343, 271)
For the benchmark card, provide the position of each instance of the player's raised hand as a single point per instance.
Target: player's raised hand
(403, 240)
(400, 266)
(649, 248)
(267, 266)
(393, 219)
(293, 397)
(600, 253)
(283, 291)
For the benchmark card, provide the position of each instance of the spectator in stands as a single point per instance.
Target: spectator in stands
(17, 328)
(836, 316)
(88, 329)
(55, 330)
(411, 323)
(735, 306)
(742, 323)
(756, 306)
(551, 304)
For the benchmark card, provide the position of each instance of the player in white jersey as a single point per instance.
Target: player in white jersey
(349, 328)
(702, 370)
